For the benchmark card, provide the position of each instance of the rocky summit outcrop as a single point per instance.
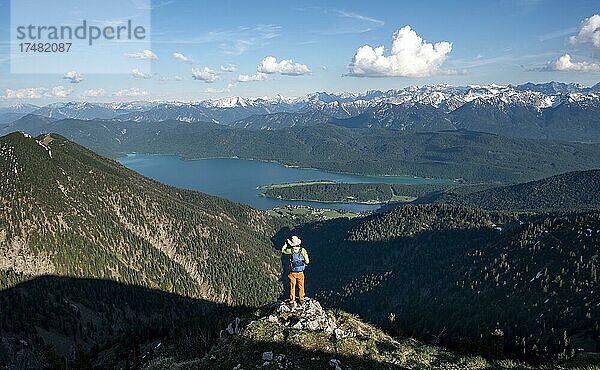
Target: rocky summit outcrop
(307, 315)
(307, 336)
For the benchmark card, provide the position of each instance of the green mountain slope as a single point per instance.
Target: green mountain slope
(457, 274)
(66, 211)
(569, 191)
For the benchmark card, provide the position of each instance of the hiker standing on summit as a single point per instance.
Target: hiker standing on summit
(298, 261)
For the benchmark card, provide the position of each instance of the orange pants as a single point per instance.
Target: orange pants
(296, 278)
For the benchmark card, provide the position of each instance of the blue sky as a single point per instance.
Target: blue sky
(316, 44)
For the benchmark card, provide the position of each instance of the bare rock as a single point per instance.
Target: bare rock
(335, 363)
(267, 356)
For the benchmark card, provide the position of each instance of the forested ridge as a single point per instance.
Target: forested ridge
(146, 263)
(67, 211)
(472, 156)
(361, 192)
(458, 275)
(577, 190)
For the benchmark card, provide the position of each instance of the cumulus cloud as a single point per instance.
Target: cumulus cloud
(60, 92)
(131, 92)
(410, 56)
(178, 78)
(73, 77)
(27, 93)
(255, 77)
(270, 65)
(589, 32)
(228, 68)
(204, 74)
(564, 63)
(146, 54)
(183, 58)
(94, 93)
(136, 73)
(37, 93)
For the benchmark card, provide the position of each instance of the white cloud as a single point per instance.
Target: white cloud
(228, 68)
(136, 73)
(256, 77)
(178, 78)
(270, 65)
(73, 77)
(94, 93)
(589, 32)
(359, 17)
(27, 93)
(410, 57)
(564, 63)
(37, 93)
(132, 92)
(183, 58)
(60, 92)
(146, 54)
(204, 74)
(343, 21)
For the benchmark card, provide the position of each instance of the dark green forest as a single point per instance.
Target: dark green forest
(458, 275)
(578, 190)
(56, 322)
(342, 192)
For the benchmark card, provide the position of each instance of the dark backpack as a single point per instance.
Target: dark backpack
(297, 261)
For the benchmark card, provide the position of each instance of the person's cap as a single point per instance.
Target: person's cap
(294, 241)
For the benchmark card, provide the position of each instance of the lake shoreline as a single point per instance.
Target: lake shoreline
(239, 180)
(370, 203)
(186, 158)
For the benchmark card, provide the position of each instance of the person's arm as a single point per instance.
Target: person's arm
(305, 256)
(285, 249)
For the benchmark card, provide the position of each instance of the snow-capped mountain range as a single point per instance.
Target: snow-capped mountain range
(522, 110)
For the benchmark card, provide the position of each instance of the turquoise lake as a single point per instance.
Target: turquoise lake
(238, 179)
